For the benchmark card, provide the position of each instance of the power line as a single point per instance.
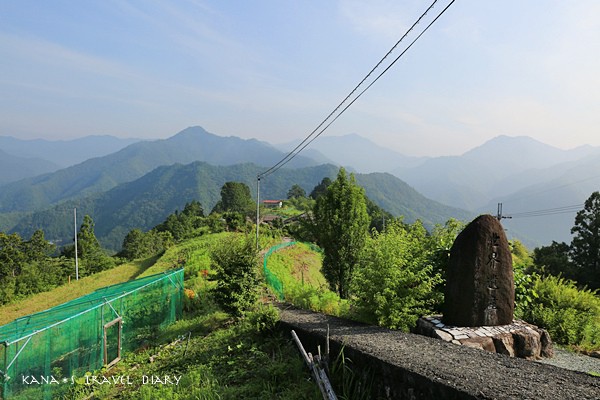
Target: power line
(548, 211)
(313, 135)
(554, 188)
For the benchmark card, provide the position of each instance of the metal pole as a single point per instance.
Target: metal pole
(257, 208)
(76, 259)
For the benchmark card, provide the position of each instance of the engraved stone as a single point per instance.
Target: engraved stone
(480, 284)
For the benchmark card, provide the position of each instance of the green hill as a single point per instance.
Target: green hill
(148, 200)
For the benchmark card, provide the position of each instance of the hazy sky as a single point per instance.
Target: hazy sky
(274, 69)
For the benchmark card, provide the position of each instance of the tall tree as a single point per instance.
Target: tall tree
(554, 260)
(321, 188)
(585, 246)
(235, 197)
(341, 225)
(295, 192)
(88, 248)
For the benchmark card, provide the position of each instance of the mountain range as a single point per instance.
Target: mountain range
(41, 156)
(103, 173)
(501, 170)
(142, 182)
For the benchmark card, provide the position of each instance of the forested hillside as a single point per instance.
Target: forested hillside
(146, 201)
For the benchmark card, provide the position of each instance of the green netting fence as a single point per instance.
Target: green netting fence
(41, 354)
(272, 280)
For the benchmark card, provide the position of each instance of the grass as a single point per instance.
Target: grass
(299, 269)
(72, 290)
(194, 252)
(223, 359)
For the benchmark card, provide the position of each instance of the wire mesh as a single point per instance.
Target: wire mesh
(41, 354)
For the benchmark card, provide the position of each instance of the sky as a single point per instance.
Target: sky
(273, 70)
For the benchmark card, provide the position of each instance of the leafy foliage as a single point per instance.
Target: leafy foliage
(296, 191)
(585, 246)
(320, 189)
(27, 267)
(554, 260)
(234, 261)
(395, 283)
(571, 315)
(235, 197)
(93, 258)
(340, 225)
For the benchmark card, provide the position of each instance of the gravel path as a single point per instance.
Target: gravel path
(473, 374)
(575, 362)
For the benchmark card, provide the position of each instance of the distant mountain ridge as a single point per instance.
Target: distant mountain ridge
(357, 152)
(14, 168)
(22, 159)
(145, 202)
(500, 170)
(65, 152)
(100, 174)
(497, 168)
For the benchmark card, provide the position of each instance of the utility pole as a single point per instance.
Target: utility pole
(257, 208)
(499, 216)
(76, 259)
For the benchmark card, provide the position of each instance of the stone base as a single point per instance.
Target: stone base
(518, 339)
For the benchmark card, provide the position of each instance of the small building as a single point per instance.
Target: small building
(273, 203)
(40, 353)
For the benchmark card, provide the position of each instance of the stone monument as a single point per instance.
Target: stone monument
(480, 287)
(479, 298)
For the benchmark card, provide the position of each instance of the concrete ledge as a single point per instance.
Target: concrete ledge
(408, 366)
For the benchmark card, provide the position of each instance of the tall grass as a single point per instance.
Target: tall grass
(299, 269)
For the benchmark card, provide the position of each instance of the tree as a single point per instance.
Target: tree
(38, 248)
(184, 225)
(89, 250)
(585, 246)
(235, 197)
(134, 245)
(321, 188)
(234, 260)
(295, 192)
(377, 215)
(554, 260)
(340, 226)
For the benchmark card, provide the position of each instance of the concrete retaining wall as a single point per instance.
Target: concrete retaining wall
(398, 365)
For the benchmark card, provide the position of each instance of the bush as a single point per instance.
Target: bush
(234, 261)
(395, 284)
(571, 316)
(264, 318)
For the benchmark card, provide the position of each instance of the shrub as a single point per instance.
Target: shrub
(234, 261)
(395, 284)
(572, 316)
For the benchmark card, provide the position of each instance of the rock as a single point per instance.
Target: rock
(424, 327)
(483, 343)
(440, 334)
(504, 344)
(547, 346)
(527, 344)
(480, 282)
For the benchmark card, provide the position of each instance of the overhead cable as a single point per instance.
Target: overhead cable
(549, 211)
(316, 132)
